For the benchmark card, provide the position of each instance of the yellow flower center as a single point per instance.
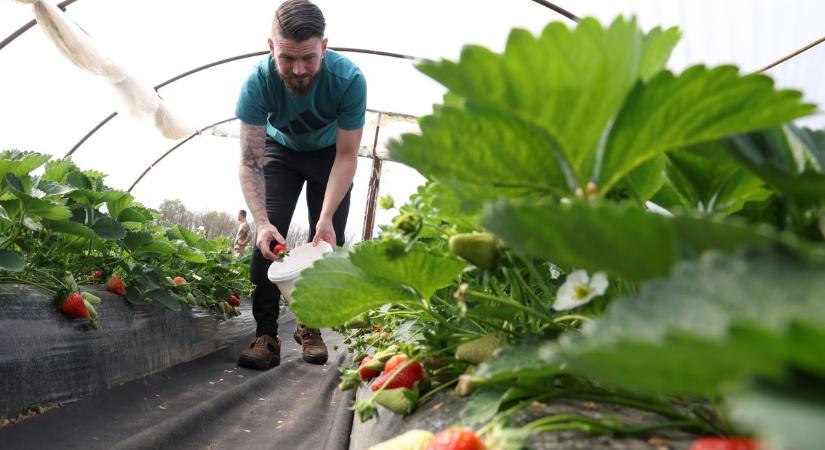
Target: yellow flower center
(582, 292)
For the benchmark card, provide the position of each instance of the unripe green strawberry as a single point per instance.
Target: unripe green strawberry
(70, 282)
(480, 249)
(465, 385)
(350, 379)
(386, 202)
(411, 440)
(358, 321)
(191, 299)
(91, 298)
(227, 308)
(407, 223)
(90, 308)
(400, 401)
(479, 350)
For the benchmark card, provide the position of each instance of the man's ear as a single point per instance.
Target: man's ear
(324, 46)
(271, 46)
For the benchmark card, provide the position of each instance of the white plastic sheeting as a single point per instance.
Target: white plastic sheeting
(47, 105)
(79, 48)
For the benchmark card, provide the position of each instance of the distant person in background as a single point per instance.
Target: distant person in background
(302, 113)
(243, 236)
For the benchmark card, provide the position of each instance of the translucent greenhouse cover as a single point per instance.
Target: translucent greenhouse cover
(48, 105)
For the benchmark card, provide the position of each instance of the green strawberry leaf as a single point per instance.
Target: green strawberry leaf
(482, 406)
(418, 268)
(190, 254)
(109, 229)
(716, 322)
(20, 163)
(164, 298)
(133, 295)
(136, 240)
(798, 426)
(462, 204)
(159, 246)
(116, 202)
(658, 45)
(11, 261)
(770, 155)
(46, 188)
(580, 89)
(72, 228)
(707, 178)
(58, 170)
(334, 290)
(133, 215)
(79, 180)
(696, 106)
(523, 359)
(531, 159)
(44, 208)
(623, 241)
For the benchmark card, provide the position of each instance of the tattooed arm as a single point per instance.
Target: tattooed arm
(339, 182)
(251, 174)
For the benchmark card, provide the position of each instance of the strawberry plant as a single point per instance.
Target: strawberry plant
(541, 244)
(67, 225)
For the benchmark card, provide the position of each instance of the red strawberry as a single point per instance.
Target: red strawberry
(724, 443)
(234, 300)
(280, 251)
(456, 439)
(74, 306)
(403, 374)
(179, 281)
(365, 372)
(96, 275)
(115, 285)
(395, 361)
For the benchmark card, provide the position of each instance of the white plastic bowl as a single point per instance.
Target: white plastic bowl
(286, 272)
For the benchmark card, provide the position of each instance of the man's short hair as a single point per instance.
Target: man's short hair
(242, 212)
(298, 20)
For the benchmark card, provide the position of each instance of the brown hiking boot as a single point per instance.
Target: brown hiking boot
(264, 353)
(312, 345)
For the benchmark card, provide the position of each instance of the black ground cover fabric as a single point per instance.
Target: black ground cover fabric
(208, 403)
(46, 357)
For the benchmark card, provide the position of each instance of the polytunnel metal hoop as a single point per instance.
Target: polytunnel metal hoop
(224, 61)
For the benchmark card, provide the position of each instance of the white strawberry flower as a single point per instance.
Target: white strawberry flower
(579, 288)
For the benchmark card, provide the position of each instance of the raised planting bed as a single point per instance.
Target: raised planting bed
(445, 409)
(46, 357)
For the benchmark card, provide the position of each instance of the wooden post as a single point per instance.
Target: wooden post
(374, 185)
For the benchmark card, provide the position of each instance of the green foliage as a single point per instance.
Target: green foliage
(706, 178)
(602, 108)
(555, 146)
(68, 220)
(715, 321)
(334, 290)
(792, 168)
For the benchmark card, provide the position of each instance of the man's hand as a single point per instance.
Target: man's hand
(324, 232)
(266, 234)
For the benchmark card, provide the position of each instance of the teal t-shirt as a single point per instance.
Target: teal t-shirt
(336, 99)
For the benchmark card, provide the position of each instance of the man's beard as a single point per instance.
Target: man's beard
(298, 85)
